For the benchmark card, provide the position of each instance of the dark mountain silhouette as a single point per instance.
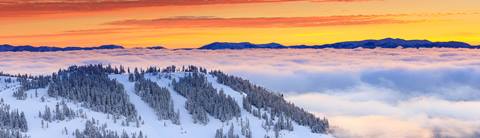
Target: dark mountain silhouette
(12, 48)
(156, 47)
(242, 45)
(370, 44)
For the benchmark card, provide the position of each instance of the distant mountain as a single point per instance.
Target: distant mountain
(393, 43)
(156, 47)
(242, 45)
(12, 48)
(370, 44)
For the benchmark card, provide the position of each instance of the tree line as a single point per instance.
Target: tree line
(12, 119)
(91, 85)
(61, 112)
(94, 130)
(260, 97)
(9, 133)
(30, 82)
(202, 98)
(156, 97)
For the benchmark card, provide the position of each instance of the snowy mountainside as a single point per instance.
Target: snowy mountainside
(62, 106)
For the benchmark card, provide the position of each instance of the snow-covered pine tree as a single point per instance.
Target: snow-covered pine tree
(30, 82)
(262, 98)
(156, 97)
(91, 85)
(201, 96)
(61, 112)
(12, 120)
(8, 133)
(94, 130)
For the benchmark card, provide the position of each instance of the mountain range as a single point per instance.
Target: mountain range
(369, 44)
(12, 48)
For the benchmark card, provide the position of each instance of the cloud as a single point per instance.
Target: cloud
(261, 22)
(34, 7)
(83, 32)
(421, 117)
(428, 71)
(140, 25)
(431, 81)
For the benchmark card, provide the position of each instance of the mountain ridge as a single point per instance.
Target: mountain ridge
(369, 44)
(29, 48)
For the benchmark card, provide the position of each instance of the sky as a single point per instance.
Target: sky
(193, 23)
(364, 93)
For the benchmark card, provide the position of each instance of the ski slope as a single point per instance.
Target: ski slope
(151, 126)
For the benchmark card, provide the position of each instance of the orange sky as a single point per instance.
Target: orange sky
(192, 23)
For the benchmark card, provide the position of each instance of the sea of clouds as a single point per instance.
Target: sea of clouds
(363, 92)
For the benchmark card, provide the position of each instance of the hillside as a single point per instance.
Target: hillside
(103, 101)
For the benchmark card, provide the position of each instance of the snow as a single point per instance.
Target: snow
(255, 123)
(33, 105)
(152, 127)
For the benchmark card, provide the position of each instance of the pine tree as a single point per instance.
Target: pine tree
(12, 120)
(202, 98)
(156, 97)
(219, 133)
(91, 85)
(262, 98)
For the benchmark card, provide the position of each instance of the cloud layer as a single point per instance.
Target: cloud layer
(364, 92)
(262, 22)
(28, 7)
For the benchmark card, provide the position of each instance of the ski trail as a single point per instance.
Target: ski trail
(151, 123)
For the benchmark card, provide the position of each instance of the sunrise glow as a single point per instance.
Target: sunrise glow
(191, 23)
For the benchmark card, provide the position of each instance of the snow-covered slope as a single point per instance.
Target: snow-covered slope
(147, 122)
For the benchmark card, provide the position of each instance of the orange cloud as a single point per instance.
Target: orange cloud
(260, 22)
(32, 7)
(181, 22)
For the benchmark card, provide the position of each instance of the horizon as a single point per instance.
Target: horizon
(167, 47)
(289, 22)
